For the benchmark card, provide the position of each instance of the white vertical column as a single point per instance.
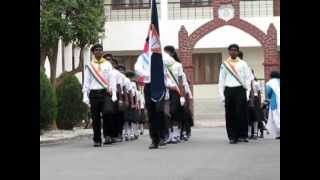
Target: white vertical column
(47, 67)
(59, 59)
(68, 57)
(164, 10)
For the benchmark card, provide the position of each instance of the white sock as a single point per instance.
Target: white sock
(179, 133)
(175, 131)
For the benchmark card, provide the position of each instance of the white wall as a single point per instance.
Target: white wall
(68, 60)
(130, 35)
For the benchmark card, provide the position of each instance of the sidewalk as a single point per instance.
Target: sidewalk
(57, 136)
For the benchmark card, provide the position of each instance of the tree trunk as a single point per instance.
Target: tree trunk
(52, 56)
(43, 55)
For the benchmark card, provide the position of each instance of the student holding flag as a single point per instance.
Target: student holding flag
(150, 67)
(97, 93)
(234, 87)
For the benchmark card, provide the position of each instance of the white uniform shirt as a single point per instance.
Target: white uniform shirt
(143, 65)
(256, 88)
(90, 83)
(127, 84)
(177, 70)
(142, 101)
(115, 79)
(133, 88)
(186, 85)
(227, 80)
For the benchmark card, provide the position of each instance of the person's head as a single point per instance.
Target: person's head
(275, 74)
(110, 58)
(121, 68)
(97, 51)
(233, 51)
(240, 55)
(172, 52)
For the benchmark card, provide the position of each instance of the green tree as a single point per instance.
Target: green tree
(87, 21)
(48, 102)
(80, 22)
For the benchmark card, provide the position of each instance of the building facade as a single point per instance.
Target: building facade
(201, 31)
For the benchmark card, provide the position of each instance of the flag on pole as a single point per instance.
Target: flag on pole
(153, 47)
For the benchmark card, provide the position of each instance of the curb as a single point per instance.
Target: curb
(63, 140)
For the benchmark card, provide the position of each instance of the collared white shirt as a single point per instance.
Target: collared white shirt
(143, 65)
(90, 83)
(116, 77)
(227, 80)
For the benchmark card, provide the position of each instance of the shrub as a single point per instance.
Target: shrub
(71, 109)
(48, 102)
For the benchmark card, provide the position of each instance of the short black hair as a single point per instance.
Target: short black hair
(115, 61)
(107, 55)
(234, 46)
(121, 67)
(172, 50)
(130, 74)
(275, 74)
(96, 46)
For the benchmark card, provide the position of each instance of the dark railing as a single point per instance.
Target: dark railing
(197, 9)
(129, 12)
(256, 8)
(179, 9)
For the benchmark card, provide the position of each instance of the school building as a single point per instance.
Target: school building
(201, 31)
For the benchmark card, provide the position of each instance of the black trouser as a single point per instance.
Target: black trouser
(236, 112)
(97, 101)
(118, 121)
(155, 115)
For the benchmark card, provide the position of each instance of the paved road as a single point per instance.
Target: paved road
(206, 156)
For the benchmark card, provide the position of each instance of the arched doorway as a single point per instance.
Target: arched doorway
(267, 40)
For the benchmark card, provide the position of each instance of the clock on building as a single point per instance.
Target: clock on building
(226, 12)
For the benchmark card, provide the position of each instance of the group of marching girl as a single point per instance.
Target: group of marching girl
(118, 105)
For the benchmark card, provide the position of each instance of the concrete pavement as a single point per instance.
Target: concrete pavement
(206, 156)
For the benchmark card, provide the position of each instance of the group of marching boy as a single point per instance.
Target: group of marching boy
(115, 99)
(119, 100)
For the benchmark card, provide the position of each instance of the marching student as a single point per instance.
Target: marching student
(177, 96)
(234, 87)
(97, 93)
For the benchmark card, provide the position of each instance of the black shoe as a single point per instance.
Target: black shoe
(153, 146)
(243, 140)
(233, 141)
(278, 138)
(162, 143)
(97, 144)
